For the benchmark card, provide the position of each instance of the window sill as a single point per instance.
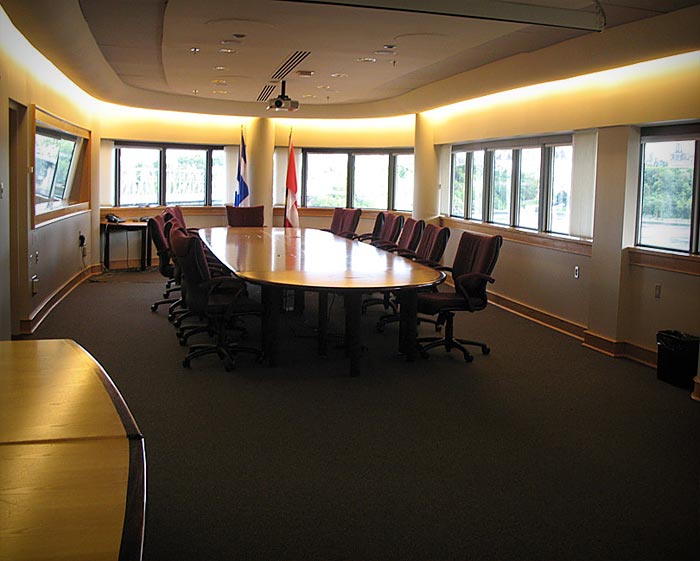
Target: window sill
(46, 215)
(664, 260)
(567, 244)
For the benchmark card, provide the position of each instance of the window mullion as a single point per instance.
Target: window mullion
(695, 202)
(118, 176)
(208, 181)
(487, 200)
(161, 179)
(350, 188)
(391, 198)
(515, 188)
(545, 188)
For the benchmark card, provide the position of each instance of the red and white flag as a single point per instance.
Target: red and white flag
(291, 211)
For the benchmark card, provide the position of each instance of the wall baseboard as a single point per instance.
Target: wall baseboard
(28, 326)
(618, 349)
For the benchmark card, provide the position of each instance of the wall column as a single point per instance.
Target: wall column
(261, 148)
(614, 222)
(426, 176)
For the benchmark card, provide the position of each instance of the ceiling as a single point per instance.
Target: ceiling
(182, 53)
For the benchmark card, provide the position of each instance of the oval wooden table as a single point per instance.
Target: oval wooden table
(72, 464)
(315, 260)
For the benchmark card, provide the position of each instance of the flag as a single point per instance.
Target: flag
(241, 196)
(291, 211)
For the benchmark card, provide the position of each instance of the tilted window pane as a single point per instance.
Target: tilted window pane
(185, 174)
(46, 150)
(326, 179)
(476, 198)
(459, 183)
(502, 176)
(560, 210)
(528, 205)
(667, 185)
(371, 181)
(139, 173)
(218, 177)
(65, 157)
(403, 182)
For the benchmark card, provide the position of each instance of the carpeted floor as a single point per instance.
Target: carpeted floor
(541, 450)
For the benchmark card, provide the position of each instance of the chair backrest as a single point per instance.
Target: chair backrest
(189, 252)
(245, 215)
(170, 212)
(476, 253)
(410, 234)
(156, 228)
(433, 243)
(391, 229)
(337, 220)
(350, 220)
(378, 225)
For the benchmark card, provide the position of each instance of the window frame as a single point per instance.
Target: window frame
(162, 148)
(546, 144)
(350, 176)
(670, 133)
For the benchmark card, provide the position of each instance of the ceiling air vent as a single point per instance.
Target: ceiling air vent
(290, 64)
(266, 92)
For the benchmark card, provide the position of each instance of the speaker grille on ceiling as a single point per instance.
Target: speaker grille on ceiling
(266, 92)
(290, 64)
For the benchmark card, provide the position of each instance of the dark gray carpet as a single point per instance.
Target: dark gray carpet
(541, 450)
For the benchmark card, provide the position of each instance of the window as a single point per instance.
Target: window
(508, 183)
(52, 163)
(60, 161)
(669, 195)
(156, 174)
(359, 179)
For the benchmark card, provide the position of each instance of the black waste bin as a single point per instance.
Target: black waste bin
(677, 358)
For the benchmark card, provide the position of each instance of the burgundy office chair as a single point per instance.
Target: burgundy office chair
(474, 262)
(245, 215)
(218, 300)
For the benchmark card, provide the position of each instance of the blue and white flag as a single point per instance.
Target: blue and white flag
(241, 197)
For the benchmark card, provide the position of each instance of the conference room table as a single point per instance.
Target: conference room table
(318, 261)
(72, 464)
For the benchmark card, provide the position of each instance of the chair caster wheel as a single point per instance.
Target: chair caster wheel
(154, 307)
(183, 342)
(186, 363)
(485, 351)
(468, 358)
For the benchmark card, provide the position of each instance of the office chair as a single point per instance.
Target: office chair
(219, 300)
(166, 267)
(408, 240)
(389, 233)
(344, 222)
(376, 229)
(474, 262)
(429, 251)
(245, 215)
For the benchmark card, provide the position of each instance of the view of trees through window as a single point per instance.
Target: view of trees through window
(327, 184)
(667, 194)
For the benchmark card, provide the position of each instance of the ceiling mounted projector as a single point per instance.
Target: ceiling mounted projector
(283, 102)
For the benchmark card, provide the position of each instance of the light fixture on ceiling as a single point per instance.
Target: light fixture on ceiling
(195, 50)
(219, 92)
(219, 68)
(283, 102)
(367, 59)
(304, 73)
(339, 75)
(227, 51)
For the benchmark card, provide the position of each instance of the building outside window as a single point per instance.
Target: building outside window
(669, 195)
(53, 155)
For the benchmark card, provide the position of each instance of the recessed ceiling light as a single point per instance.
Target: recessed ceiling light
(219, 68)
(219, 92)
(305, 73)
(226, 51)
(195, 91)
(307, 96)
(230, 42)
(384, 52)
(219, 82)
(195, 50)
(338, 75)
(366, 59)
(389, 46)
(238, 35)
(323, 87)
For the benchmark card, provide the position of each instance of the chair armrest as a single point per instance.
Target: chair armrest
(386, 246)
(404, 253)
(363, 237)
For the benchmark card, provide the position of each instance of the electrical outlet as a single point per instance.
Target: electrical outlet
(657, 292)
(576, 272)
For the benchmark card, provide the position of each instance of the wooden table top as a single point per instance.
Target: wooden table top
(65, 454)
(313, 259)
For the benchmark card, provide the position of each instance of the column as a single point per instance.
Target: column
(426, 176)
(614, 222)
(261, 148)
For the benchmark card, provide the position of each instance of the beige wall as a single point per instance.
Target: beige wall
(538, 277)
